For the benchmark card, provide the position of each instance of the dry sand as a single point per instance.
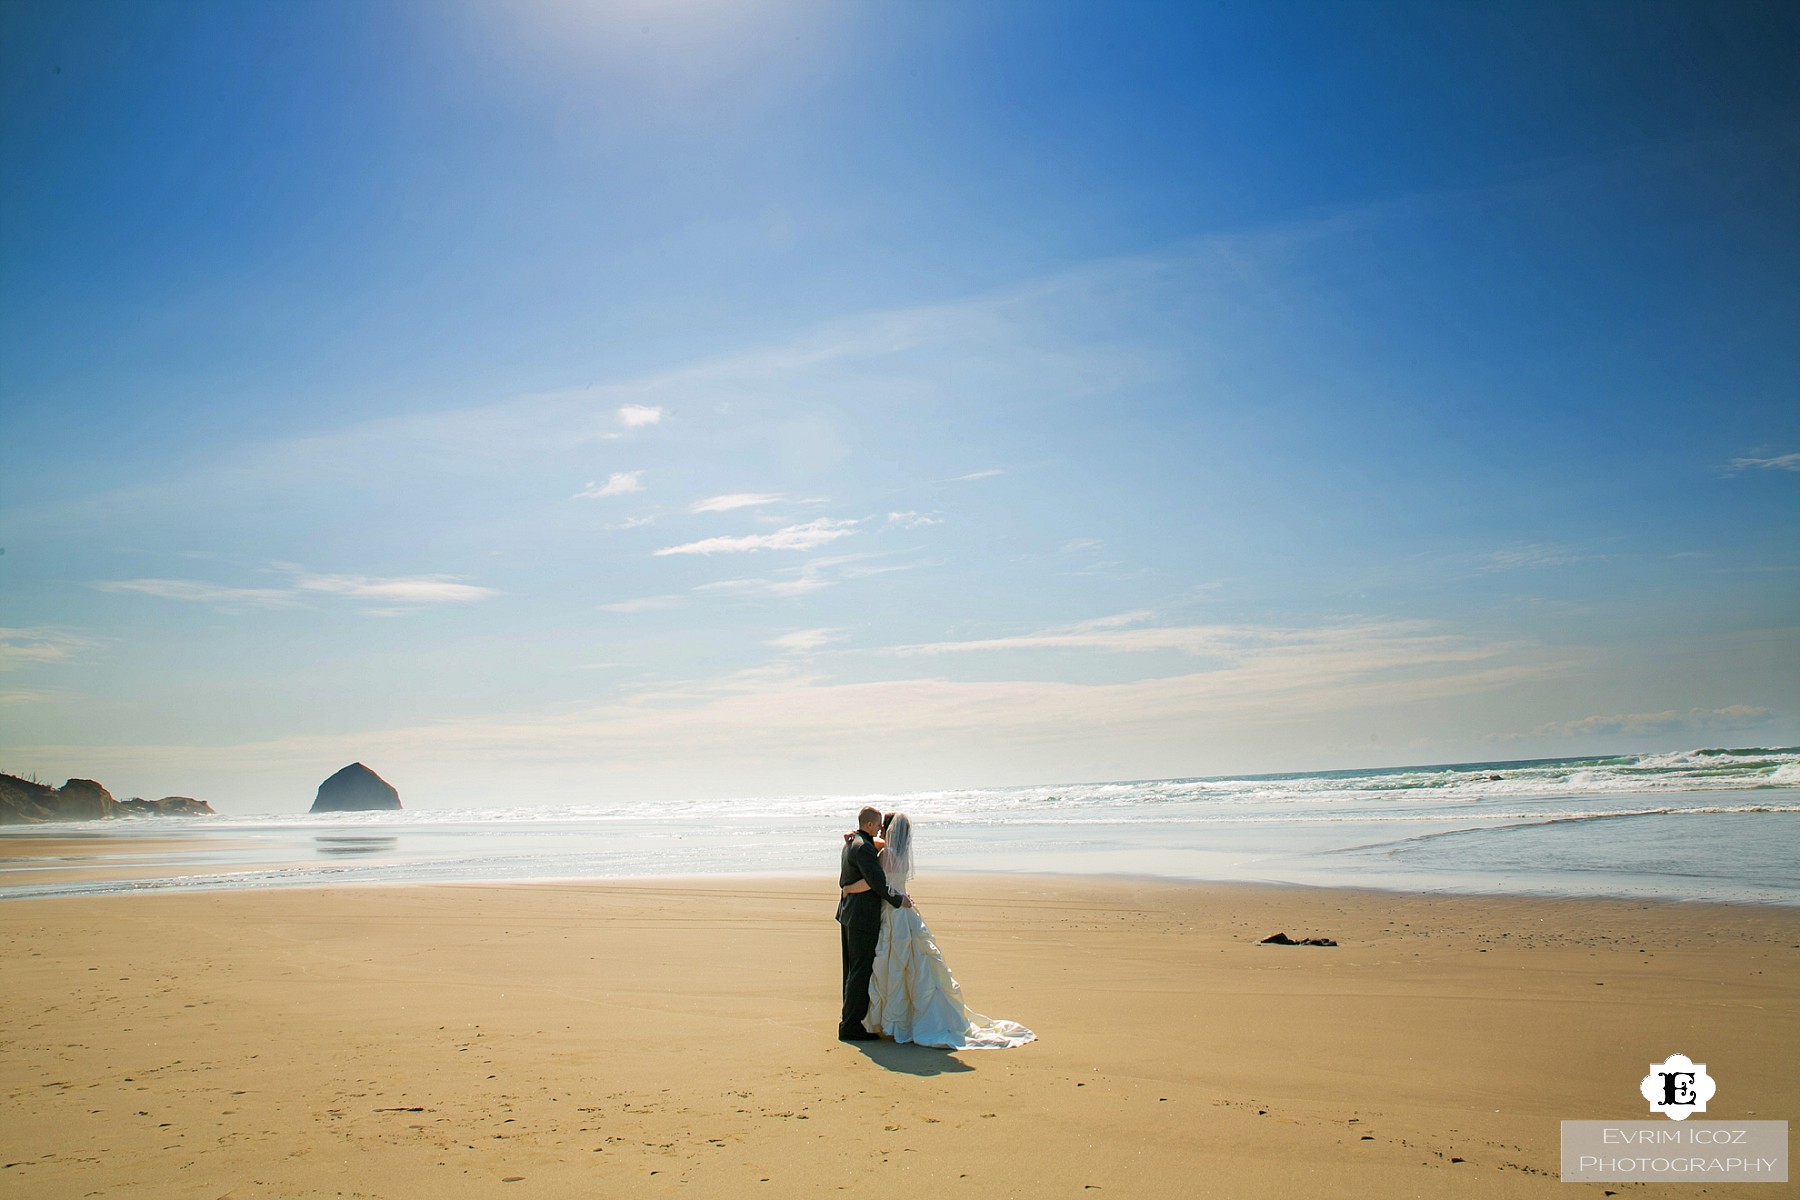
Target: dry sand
(674, 1038)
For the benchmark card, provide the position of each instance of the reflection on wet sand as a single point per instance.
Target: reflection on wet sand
(340, 844)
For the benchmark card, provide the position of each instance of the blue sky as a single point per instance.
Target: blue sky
(550, 401)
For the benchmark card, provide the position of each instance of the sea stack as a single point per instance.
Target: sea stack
(355, 789)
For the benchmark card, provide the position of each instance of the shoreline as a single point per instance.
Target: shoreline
(142, 881)
(649, 1037)
(44, 863)
(132, 884)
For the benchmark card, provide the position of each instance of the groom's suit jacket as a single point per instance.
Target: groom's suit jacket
(862, 910)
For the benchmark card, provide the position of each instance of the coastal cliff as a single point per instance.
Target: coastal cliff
(27, 802)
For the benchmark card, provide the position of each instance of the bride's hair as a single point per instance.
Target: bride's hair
(899, 849)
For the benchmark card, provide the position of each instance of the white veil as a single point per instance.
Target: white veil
(896, 859)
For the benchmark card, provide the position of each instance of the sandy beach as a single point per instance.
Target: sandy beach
(675, 1038)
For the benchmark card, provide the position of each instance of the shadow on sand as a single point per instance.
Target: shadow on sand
(912, 1060)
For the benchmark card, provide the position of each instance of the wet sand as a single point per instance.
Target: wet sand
(34, 860)
(676, 1038)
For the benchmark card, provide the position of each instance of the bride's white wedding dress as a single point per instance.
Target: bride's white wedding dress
(914, 998)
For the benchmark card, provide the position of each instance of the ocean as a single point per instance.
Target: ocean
(1696, 825)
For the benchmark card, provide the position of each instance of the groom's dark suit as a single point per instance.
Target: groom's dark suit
(859, 923)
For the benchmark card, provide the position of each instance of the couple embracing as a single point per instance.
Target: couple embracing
(895, 980)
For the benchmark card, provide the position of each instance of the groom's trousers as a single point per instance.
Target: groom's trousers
(859, 966)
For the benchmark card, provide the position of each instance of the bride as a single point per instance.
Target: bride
(912, 996)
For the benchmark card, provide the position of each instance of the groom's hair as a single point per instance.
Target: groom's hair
(867, 815)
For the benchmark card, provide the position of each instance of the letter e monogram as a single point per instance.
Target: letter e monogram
(1678, 1087)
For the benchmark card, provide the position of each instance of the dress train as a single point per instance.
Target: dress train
(914, 998)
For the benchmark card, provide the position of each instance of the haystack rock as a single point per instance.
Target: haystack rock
(355, 789)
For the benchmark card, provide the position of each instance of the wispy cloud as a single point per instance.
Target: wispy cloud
(809, 536)
(1136, 616)
(1264, 658)
(196, 591)
(38, 646)
(736, 500)
(973, 475)
(418, 589)
(405, 591)
(1100, 633)
(1523, 557)
(913, 520)
(636, 416)
(1027, 337)
(798, 583)
(811, 576)
(769, 728)
(619, 483)
(806, 640)
(1780, 462)
(643, 604)
(1264, 674)
(637, 522)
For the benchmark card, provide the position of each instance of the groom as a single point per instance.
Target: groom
(859, 922)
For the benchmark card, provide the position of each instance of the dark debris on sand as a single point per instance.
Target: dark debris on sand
(1282, 939)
